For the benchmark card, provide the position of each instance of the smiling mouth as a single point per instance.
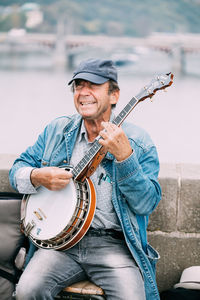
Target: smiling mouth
(86, 103)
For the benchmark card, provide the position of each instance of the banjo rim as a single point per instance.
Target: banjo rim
(73, 232)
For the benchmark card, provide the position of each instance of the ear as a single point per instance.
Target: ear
(114, 97)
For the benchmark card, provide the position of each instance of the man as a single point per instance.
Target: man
(114, 253)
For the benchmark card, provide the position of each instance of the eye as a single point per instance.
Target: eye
(94, 86)
(78, 84)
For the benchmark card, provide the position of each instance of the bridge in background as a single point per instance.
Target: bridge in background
(66, 47)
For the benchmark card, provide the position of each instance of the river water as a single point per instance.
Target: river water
(30, 99)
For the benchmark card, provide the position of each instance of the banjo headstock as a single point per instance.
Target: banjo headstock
(160, 82)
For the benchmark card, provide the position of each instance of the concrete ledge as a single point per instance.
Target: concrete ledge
(164, 217)
(174, 227)
(178, 251)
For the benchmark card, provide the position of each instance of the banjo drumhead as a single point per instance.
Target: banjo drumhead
(50, 211)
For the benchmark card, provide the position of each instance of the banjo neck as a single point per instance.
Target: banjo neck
(93, 157)
(88, 164)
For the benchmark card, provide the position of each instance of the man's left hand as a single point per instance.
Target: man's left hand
(115, 141)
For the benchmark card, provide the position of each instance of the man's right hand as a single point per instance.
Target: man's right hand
(53, 178)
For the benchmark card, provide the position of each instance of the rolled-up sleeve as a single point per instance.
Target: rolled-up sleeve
(31, 158)
(23, 181)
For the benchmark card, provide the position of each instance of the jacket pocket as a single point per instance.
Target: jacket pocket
(153, 256)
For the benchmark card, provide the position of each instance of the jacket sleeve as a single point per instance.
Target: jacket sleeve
(30, 158)
(138, 181)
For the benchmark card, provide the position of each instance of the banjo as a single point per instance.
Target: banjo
(60, 227)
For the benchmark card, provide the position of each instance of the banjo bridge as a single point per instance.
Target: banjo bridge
(38, 215)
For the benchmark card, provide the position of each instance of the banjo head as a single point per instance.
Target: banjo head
(59, 219)
(50, 211)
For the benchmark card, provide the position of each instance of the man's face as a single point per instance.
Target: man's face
(92, 101)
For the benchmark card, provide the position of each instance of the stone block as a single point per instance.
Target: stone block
(4, 182)
(189, 203)
(6, 161)
(164, 216)
(177, 252)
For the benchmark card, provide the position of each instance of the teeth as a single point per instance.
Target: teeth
(87, 103)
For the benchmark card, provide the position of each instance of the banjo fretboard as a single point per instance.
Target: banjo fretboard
(96, 146)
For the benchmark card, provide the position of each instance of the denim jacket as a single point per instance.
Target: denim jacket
(135, 193)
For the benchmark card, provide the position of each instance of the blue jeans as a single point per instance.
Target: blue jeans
(105, 260)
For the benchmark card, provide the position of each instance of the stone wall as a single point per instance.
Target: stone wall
(174, 227)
